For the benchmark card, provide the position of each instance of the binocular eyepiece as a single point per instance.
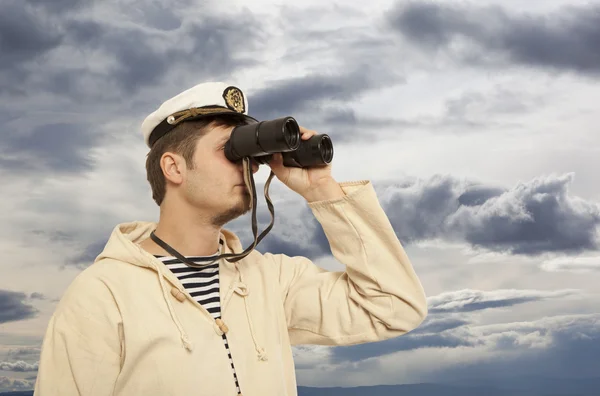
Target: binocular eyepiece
(262, 139)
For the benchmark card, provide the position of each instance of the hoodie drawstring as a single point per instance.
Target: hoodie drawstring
(242, 289)
(261, 353)
(238, 287)
(184, 337)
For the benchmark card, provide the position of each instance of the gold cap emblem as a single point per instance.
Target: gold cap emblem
(234, 98)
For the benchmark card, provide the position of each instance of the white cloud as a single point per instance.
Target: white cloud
(20, 366)
(15, 384)
(579, 264)
(472, 300)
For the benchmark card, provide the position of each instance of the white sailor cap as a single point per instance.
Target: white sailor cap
(202, 100)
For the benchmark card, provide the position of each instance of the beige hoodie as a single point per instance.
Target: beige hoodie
(126, 326)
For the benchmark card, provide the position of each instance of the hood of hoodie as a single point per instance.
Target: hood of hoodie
(123, 242)
(123, 246)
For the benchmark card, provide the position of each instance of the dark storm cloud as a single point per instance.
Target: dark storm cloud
(12, 307)
(37, 296)
(320, 96)
(159, 15)
(344, 126)
(61, 6)
(531, 218)
(291, 95)
(143, 57)
(89, 254)
(403, 343)
(436, 324)
(24, 35)
(314, 246)
(564, 40)
(498, 105)
(478, 195)
(138, 56)
(63, 148)
(275, 243)
(479, 305)
(139, 62)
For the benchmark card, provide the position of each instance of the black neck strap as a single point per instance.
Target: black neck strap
(175, 253)
(231, 257)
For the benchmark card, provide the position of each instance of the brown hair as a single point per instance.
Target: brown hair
(181, 140)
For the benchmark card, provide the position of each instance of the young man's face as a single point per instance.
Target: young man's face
(216, 185)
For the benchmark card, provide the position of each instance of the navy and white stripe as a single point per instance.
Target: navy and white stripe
(203, 285)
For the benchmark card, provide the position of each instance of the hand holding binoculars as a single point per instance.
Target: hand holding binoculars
(262, 139)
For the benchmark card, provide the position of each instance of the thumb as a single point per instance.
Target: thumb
(276, 165)
(276, 160)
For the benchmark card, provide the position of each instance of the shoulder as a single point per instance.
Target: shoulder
(92, 289)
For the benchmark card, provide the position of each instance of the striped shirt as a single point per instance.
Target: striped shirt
(203, 286)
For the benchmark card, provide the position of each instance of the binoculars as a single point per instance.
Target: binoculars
(262, 139)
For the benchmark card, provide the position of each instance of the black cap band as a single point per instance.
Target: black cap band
(164, 127)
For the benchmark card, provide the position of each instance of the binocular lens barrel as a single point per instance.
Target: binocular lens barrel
(282, 135)
(291, 132)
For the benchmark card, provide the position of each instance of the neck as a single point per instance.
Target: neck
(189, 235)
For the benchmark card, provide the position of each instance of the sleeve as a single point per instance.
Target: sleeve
(377, 297)
(81, 348)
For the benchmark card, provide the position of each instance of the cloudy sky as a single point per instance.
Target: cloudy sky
(477, 123)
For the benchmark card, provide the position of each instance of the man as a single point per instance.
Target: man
(161, 313)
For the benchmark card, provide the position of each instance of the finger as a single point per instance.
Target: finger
(304, 130)
(307, 133)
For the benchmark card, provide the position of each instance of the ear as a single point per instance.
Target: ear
(173, 167)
